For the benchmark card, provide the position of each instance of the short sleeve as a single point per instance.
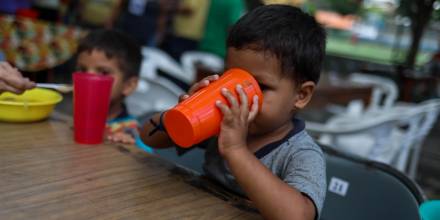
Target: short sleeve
(305, 171)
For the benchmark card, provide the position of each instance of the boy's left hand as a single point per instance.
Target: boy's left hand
(121, 137)
(236, 119)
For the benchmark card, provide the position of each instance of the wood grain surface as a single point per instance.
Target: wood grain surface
(44, 174)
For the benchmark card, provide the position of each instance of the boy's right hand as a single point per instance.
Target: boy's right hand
(199, 85)
(161, 139)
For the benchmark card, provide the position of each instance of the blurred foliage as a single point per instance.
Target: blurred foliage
(412, 8)
(436, 13)
(309, 7)
(420, 12)
(345, 7)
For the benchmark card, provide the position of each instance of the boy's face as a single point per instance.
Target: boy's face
(96, 62)
(281, 97)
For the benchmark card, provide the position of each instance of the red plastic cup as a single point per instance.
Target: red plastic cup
(91, 100)
(198, 118)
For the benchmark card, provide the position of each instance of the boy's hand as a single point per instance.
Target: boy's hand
(199, 85)
(236, 119)
(121, 137)
(11, 80)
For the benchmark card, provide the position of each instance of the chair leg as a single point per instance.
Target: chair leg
(415, 160)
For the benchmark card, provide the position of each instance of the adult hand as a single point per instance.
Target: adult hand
(121, 137)
(11, 80)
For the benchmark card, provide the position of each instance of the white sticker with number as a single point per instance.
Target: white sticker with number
(338, 186)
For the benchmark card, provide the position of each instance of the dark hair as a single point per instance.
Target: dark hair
(294, 37)
(114, 44)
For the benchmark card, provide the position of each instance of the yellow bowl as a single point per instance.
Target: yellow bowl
(33, 105)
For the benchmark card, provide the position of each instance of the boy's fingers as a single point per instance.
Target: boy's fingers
(202, 83)
(254, 109)
(243, 98)
(223, 108)
(183, 97)
(121, 138)
(128, 139)
(231, 99)
(195, 87)
(212, 77)
(198, 86)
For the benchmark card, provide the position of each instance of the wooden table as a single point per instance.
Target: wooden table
(44, 174)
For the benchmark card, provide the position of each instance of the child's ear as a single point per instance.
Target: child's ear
(304, 94)
(130, 85)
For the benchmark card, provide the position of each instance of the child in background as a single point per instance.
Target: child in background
(266, 153)
(113, 53)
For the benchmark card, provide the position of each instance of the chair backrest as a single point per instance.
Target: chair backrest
(361, 189)
(369, 137)
(156, 60)
(153, 95)
(393, 136)
(385, 90)
(190, 59)
(154, 92)
(421, 118)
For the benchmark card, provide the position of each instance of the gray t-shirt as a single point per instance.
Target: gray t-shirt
(295, 159)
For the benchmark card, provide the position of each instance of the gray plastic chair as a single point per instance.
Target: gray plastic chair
(362, 189)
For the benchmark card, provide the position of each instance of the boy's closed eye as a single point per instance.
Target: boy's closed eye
(100, 71)
(80, 69)
(104, 71)
(264, 87)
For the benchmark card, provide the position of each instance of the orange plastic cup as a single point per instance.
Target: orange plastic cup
(198, 118)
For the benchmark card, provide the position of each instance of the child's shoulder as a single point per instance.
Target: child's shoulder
(296, 142)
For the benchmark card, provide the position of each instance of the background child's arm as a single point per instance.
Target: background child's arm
(274, 198)
(160, 139)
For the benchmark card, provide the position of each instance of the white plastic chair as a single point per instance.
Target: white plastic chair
(190, 59)
(384, 95)
(364, 136)
(155, 60)
(153, 95)
(385, 91)
(421, 118)
(393, 136)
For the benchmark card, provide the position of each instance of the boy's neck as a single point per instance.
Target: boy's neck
(257, 142)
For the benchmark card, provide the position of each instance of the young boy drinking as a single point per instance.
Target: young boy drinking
(113, 53)
(265, 153)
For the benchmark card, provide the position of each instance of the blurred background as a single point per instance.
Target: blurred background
(183, 40)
